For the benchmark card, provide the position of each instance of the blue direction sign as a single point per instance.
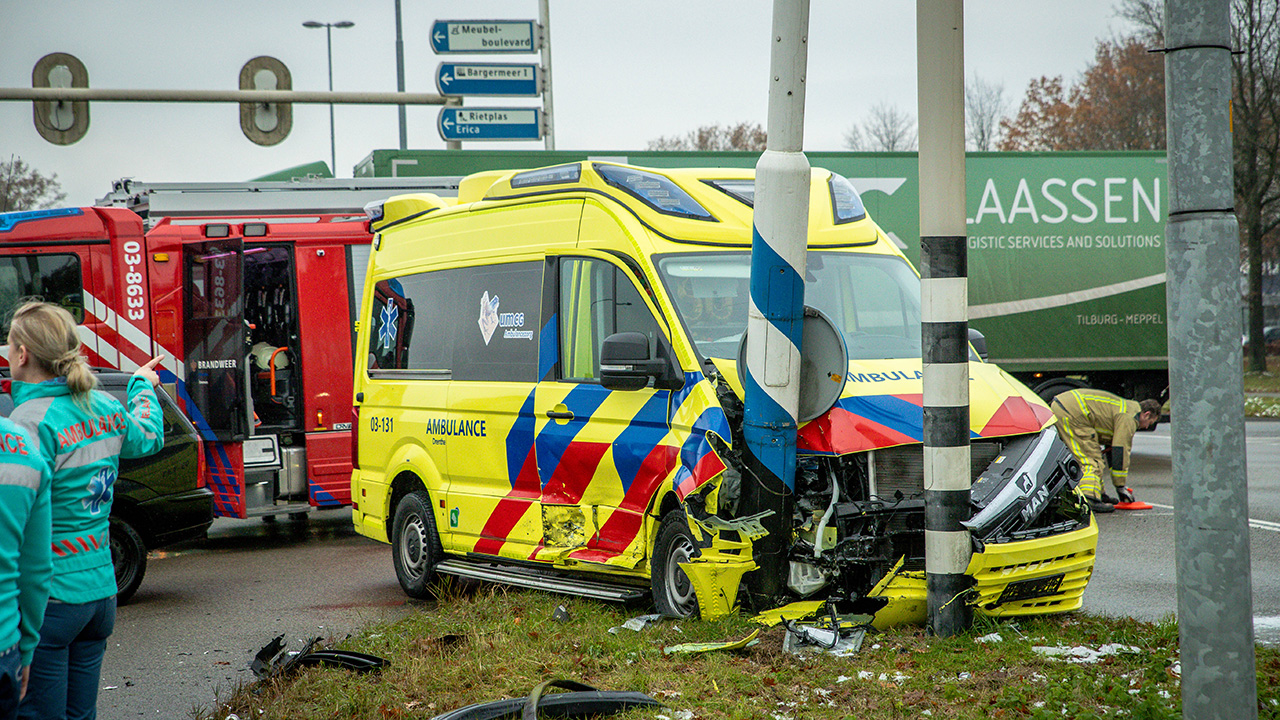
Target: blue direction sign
(490, 123)
(492, 79)
(484, 36)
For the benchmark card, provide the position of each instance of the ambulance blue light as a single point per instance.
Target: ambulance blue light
(846, 204)
(547, 176)
(656, 191)
(10, 220)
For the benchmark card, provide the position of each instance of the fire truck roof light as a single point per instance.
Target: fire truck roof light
(220, 230)
(374, 210)
(255, 229)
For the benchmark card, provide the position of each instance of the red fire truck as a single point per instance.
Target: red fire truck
(250, 291)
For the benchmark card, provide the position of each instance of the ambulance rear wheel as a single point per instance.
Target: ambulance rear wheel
(673, 594)
(129, 556)
(415, 545)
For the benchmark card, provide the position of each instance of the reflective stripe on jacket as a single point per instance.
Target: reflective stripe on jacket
(84, 443)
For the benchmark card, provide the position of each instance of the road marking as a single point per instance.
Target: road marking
(1256, 524)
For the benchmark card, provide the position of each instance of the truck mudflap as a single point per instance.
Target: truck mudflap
(1028, 577)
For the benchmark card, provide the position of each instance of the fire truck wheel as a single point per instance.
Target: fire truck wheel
(672, 592)
(415, 544)
(129, 555)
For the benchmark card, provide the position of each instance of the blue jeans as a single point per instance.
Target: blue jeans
(10, 683)
(68, 661)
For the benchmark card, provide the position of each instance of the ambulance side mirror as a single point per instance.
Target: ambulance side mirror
(625, 364)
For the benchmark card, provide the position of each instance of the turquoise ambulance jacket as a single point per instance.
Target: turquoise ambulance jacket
(84, 447)
(24, 540)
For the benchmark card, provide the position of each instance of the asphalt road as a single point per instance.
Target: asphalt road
(1135, 570)
(205, 609)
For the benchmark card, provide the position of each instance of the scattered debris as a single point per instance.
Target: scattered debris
(273, 661)
(702, 647)
(582, 701)
(843, 679)
(793, 611)
(1082, 655)
(840, 635)
(561, 614)
(637, 623)
(993, 637)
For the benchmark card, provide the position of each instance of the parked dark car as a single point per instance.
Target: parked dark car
(158, 499)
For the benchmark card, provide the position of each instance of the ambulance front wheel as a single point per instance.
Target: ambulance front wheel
(673, 594)
(129, 556)
(415, 544)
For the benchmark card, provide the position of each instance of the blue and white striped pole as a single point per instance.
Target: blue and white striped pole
(944, 295)
(776, 312)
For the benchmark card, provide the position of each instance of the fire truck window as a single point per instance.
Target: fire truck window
(495, 312)
(52, 278)
(596, 301)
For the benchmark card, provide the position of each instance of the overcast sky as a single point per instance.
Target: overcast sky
(625, 73)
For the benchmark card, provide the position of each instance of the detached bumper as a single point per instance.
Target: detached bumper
(1034, 577)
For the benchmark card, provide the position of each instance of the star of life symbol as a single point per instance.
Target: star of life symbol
(99, 490)
(387, 333)
(488, 316)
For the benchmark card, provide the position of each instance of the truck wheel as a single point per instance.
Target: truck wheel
(1049, 389)
(129, 556)
(673, 594)
(415, 544)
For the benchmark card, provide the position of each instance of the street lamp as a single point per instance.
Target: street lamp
(328, 35)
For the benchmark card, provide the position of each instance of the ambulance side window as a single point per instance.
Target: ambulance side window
(495, 312)
(596, 301)
(395, 326)
(54, 278)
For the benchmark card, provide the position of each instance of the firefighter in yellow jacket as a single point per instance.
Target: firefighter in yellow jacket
(1088, 420)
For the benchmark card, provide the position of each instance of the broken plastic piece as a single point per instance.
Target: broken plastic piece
(637, 623)
(794, 611)
(584, 701)
(561, 614)
(272, 660)
(710, 646)
(716, 584)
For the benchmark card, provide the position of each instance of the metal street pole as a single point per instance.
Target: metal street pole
(1210, 484)
(775, 314)
(328, 34)
(549, 118)
(944, 299)
(404, 126)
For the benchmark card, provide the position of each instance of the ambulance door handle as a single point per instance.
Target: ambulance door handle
(560, 412)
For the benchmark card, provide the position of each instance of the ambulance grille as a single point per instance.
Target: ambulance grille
(901, 469)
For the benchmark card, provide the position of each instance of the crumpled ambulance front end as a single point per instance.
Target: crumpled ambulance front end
(859, 498)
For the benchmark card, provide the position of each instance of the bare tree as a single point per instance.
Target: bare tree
(1255, 110)
(984, 108)
(887, 128)
(743, 136)
(22, 187)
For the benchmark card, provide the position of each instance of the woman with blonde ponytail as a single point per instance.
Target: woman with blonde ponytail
(82, 434)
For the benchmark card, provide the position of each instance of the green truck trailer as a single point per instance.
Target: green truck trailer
(1066, 250)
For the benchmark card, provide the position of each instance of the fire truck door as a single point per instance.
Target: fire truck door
(214, 338)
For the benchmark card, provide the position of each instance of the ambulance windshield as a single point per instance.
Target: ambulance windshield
(873, 299)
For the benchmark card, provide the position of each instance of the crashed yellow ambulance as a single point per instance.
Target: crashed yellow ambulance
(547, 397)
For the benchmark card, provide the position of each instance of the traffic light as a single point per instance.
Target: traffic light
(265, 123)
(61, 122)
